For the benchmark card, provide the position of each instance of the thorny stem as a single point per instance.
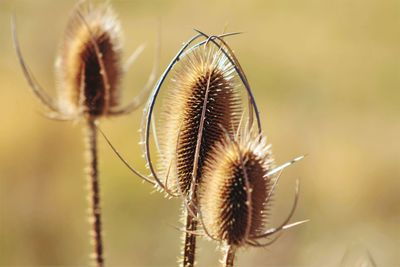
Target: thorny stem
(189, 249)
(94, 192)
(229, 256)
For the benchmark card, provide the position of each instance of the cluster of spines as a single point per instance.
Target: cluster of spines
(204, 79)
(88, 66)
(235, 189)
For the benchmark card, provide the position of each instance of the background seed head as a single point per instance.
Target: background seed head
(83, 87)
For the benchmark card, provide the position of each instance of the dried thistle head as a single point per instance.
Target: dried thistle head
(234, 195)
(203, 97)
(88, 66)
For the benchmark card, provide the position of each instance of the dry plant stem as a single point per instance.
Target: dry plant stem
(190, 238)
(229, 256)
(94, 191)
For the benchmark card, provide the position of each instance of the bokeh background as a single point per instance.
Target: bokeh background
(326, 78)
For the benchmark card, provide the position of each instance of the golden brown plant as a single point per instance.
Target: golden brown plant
(204, 81)
(88, 72)
(88, 67)
(235, 188)
(238, 183)
(203, 99)
(203, 96)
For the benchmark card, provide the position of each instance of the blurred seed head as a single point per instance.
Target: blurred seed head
(235, 189)
(88, 66)
(204, 67)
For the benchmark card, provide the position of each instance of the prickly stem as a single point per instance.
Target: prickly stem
(190, 242)
(229, 257)
(94, 192)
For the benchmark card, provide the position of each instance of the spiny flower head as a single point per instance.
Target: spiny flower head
(203, 86)
(88, 66)
(235, 189)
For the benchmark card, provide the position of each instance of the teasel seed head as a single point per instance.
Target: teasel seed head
(88, 66)
(235, 189)
(204, 76)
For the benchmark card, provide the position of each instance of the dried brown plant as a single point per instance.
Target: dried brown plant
(89, 63)
(204, 81)
(88, 72)
(238, 183)
(203, 86)
(202, 100)
(222, 170)
(235, 188)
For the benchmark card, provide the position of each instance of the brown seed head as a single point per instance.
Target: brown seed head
(235, 188)
(88, 66)
(204, 67)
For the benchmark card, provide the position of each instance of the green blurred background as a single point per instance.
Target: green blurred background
(326, 78)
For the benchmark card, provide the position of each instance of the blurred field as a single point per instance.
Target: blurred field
(326, 78)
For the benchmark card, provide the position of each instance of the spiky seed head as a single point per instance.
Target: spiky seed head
(235, 189)
(88, 66)
(202, 68)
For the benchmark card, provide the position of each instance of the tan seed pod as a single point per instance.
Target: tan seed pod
(235, 189)
(204, 76)
(88, 66)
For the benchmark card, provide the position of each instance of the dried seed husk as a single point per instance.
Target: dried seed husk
(88, 65)
(204, 67)
(235, 189)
